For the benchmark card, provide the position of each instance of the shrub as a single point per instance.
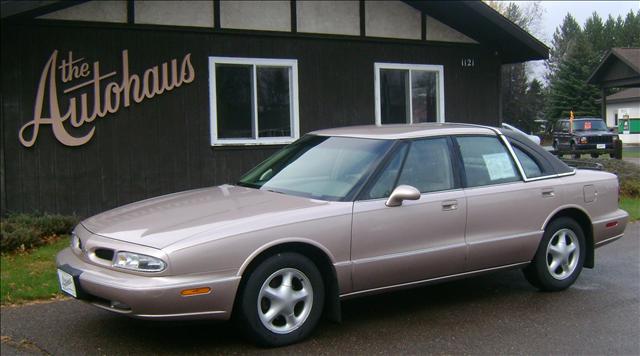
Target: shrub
(26, 231)
(628, 174)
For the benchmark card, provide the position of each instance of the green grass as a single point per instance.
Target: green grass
(32, 275)
(631, 153)
(632, 206)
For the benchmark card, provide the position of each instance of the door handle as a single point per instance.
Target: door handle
(548, 193)
(449, 205)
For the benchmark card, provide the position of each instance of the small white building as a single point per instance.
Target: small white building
(623, 112)
(620, 68)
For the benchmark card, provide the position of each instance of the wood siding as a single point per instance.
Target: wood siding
(162, 145)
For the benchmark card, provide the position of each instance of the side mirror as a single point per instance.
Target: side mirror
(401, 193)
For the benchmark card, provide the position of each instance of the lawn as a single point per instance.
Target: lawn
(30, 276)
(632, 206)
(631, 152)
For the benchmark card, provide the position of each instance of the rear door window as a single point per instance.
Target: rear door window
(486, 161)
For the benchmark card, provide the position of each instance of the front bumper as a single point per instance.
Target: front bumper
(609, 147)
(150, 297)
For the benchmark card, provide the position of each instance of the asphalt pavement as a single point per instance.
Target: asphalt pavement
(492, 314)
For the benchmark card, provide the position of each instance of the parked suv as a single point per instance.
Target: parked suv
(587, 134)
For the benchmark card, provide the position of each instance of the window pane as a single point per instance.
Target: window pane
(423, 96)
(387, 179)
(486, 161)
(529, 165)
(394, 107)
(428, 166)
(326, 168)
(274, 110)
(233, 101)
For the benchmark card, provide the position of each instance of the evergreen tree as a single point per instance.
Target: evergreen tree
(569, 90)
(563, 40)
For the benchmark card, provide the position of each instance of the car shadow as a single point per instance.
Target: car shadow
(427, 303)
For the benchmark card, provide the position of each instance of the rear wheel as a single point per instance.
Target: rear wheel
(282, 300)
(560, 256)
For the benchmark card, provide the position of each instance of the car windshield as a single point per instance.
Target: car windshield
(319, 167)
(589, 125)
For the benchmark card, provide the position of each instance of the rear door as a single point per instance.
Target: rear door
(504, 214)
(420, 239)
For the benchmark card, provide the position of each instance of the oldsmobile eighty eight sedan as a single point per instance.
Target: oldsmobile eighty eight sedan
(343, 213)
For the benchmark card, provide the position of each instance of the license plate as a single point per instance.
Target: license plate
(66, 283)
(601, 146)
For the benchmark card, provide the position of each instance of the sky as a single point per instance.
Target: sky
(555, 11)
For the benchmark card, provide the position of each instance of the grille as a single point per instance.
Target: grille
(599, 139)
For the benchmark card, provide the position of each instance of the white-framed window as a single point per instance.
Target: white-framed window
(253, 101)
(408, 93)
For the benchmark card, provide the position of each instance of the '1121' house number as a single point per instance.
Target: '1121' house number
(468, 62)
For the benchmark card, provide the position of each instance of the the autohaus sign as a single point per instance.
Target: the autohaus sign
(108, 95)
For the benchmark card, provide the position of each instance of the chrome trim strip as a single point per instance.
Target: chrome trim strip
(406, 254)
(524, 177)
(513, 155)
(408, 284)
(217, 312)
(611, 239)
(508, 237)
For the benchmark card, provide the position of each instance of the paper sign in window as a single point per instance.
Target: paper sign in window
(498, 165)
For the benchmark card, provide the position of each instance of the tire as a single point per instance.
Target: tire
(555, 145)
(572, 146)
(562, 246)
(266, 300)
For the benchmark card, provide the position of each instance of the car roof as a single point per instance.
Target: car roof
(404, 131)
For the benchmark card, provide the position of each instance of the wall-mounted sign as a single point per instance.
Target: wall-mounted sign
(107, 96)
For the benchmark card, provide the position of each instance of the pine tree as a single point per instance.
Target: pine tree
(569, 90)
(563, 40)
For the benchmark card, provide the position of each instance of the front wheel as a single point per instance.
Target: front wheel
(574, 155)
(560, 256)
(282, 300)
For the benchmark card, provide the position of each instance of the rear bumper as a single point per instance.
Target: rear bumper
(610, 228)
(151, 297)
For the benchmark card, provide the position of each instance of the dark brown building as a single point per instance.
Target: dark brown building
(105, 103)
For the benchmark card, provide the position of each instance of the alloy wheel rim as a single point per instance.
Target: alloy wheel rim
(563, 253)
(285, 300)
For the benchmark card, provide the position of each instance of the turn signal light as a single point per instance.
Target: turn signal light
(612, 224)
(195, 291)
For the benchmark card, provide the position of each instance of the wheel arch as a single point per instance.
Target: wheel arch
(318, 254)
(579, 215)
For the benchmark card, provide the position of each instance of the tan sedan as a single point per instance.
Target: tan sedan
(343, 213)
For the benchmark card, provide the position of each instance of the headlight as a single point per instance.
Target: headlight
(138, 262)
(616, 138)
(583, 140)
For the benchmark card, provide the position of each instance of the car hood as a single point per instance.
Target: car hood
(219, 211)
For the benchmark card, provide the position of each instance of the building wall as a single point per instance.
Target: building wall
(162, 144)
(633, 108)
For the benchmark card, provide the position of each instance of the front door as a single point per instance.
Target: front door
(420, 239)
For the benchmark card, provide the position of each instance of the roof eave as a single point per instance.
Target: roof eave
(489, 28)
